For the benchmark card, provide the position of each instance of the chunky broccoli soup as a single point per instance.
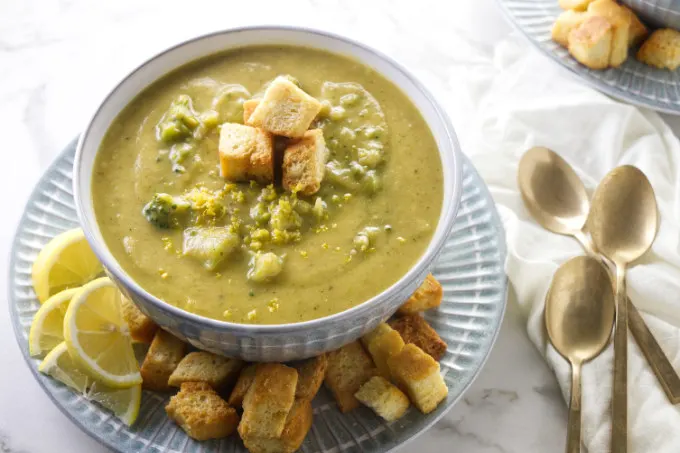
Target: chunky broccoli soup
(268, 185)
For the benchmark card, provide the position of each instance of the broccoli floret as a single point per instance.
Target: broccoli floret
(179, 121)
(210, 245)
(163, 210)
(302, 207)
(283, 216)
(260, 213)
(178, 154)
(264, 267)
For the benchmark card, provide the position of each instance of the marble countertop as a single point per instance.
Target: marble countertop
(59, 57)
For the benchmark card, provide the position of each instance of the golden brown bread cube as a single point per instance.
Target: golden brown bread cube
(414, 329)
(418, 374)
(249, 108)
(245, 379)
(311, 373)
(268, 400)
(298, 424)
(428, 295)
(304, 163)
(638, 30)
(348, 369)
(163, 356)
(384, 398)
(285, 109)
(246, 153)
(662, 49)
(620, 21)
(142, 328)
(591, 42)
(565, 23)
(578, 5)
(382, 343)
(201, 366)
(201, 413)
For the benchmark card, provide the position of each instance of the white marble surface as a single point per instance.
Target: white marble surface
(58, 58)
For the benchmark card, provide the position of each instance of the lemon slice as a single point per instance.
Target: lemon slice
(67, 261)
(124, 403)
(47, 329)
(98, 337)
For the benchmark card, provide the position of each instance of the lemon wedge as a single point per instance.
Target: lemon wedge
(67, 261)
(124, 403)
(47, 329)
(97, 336)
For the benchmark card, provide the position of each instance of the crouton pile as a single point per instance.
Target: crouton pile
(269, 405)
(600, 33)
(284, 114)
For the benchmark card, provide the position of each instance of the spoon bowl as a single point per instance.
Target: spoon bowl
(624, 218)
(579, 317)
(579, 310)
(552, 191)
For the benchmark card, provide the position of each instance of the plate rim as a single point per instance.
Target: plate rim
(582, 75)
(495, 220)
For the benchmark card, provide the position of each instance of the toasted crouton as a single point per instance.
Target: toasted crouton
(577, 5)
(268, 400)
(201, 413)
(311, 373)
(590, 43)
(662, 49)
(285, 109)
(638, 30)
(418, 373)
(246, 153)
(249, 108)
(163, 356)
(348, 369)
(382, 343)
(298, 424)
(245, 379)
(414, 329)
(565, 23)
(217, 371)
(620, 21)
(428, 295)
(304, 163)
(384, 398)
(142, 328)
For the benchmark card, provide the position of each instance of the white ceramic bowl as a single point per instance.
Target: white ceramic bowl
(267, 342)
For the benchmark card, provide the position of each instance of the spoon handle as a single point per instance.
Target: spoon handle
(574, 426)
(664, 371)
(620, 387)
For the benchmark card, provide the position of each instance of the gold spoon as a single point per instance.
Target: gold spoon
(557, 199)
(579, 316)
(623, 223)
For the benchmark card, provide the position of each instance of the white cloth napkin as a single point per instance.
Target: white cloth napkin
(516, 98)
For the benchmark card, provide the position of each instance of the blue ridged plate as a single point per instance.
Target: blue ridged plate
(470, 269)
(633, 82)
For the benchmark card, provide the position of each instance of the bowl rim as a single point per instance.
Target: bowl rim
(444, 226)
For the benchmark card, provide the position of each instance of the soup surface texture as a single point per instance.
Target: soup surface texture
(252, 253)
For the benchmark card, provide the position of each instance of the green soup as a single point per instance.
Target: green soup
(373, 217)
